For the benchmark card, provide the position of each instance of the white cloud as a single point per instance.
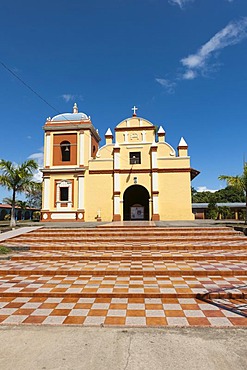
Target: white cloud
(180, 3)
(68, 97)
(189, 75)
(39, 158)
(232, 34)
(71, 97)
(167, 84)
(200, 189)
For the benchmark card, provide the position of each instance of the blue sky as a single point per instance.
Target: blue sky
(183, 63)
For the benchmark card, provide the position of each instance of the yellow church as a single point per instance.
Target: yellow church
(132, 177)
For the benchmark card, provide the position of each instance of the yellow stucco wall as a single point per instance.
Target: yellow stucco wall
(175, 196)
(98, 197)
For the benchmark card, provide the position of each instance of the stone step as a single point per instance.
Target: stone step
(179, 232)
(51, 255)
(32, 240)
(135, 246)
(118, 286)
(159, 272)
(229, 268)
(153, 240)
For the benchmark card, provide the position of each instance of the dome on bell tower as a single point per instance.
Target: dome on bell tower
(74, 116)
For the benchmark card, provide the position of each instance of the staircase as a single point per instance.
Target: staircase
(125, 276)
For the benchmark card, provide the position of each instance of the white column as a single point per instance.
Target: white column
(116, 182)
(81, 204)
(90, 146)
(46, 193)
(116, 160)
(48, 151)
(81, 148)
(150, 208)
(57, 200)
(155, 181)
(70, 196)
(154, 159)
(116, 205)
(155, 205)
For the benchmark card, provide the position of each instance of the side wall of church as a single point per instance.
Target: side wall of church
(175, 196)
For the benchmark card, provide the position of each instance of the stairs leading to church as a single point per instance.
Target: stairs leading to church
(124, 276)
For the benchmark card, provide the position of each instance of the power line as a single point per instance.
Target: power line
(40, 97)
(28, 86)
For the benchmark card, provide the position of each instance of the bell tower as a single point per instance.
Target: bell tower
(70, 142)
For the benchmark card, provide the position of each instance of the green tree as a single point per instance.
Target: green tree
(202, 197)
(240, 183)
(212, 211)
(34, 194)
(230, 194)
(16, 178)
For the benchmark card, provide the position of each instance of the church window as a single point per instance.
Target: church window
(65, 151)
(64, 193)
(135, 157)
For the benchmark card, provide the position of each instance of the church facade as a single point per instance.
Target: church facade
(133, 177)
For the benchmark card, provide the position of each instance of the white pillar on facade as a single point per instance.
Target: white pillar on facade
(116, 182)
(46, 193)
(116, 160)
(81, 148)
(150, 208)
(154, 159)
(155, 181)
(116, 204)
(155, 205)
(81, 204)
(48, 151)
(90, 146)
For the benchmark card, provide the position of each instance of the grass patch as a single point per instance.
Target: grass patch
(4, 250)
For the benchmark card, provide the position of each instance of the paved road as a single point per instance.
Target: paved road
(72, 348)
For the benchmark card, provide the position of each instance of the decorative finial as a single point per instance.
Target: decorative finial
(161, 131)
(182, 143)
(75, 108)
(108, 132)
(134, 109)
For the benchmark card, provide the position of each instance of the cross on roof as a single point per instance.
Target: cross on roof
(134, 109)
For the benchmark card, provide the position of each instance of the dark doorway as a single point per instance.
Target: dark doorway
(136, 203)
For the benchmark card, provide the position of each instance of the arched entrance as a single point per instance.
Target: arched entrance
(136, 203)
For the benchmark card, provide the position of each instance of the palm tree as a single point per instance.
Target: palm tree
(239, 182)
(16, 178)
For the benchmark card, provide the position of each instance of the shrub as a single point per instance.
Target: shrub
(4, 250)
(36, 215)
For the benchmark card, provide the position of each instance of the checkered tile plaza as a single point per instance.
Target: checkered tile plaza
(138, 275)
